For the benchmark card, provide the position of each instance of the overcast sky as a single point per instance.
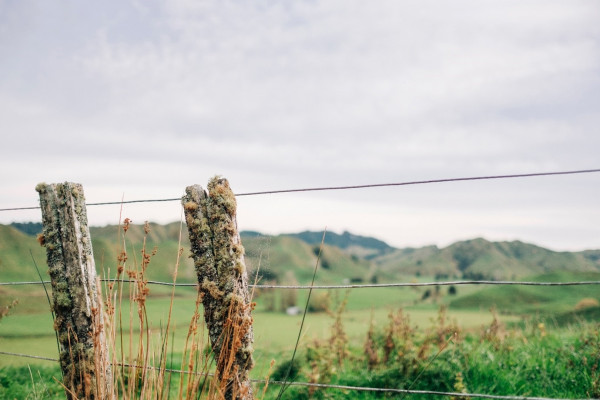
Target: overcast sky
(138, 99)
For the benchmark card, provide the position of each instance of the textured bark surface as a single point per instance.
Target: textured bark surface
(223, 282)
(75, 301)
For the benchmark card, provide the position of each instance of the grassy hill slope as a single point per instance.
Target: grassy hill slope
(361, 246)
(481, 259)
(534, 299)
(286, 259)
(15, 258)
(355, 258)
(274, 255)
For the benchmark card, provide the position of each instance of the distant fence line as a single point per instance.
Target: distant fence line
(349, 286)
(348, 187)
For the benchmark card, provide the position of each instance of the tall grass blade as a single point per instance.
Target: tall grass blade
(286, 384)
(428, 365)
(48, 298)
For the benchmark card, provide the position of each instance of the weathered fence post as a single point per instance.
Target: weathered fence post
(223, 282)
(77, 306)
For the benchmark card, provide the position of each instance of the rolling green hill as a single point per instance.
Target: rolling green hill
(562, 301)
(481, 259)
(361, 246)
(345, 258)
(271, 256)
(290, 259)
(274, 256)
(15, 258)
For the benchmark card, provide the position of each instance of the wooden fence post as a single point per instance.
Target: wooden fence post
(223, 282)
(75, 301)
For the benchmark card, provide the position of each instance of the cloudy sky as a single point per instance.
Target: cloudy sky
(138, 99)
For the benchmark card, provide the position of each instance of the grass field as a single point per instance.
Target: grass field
(533, 359)
(29, 328)
(527, 351)
(505, 340)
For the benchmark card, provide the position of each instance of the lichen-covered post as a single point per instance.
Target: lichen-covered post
(223, 282)
(75, 300)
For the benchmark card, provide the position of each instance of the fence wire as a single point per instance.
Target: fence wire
(328, 386)
(349, 286)
(349, 187)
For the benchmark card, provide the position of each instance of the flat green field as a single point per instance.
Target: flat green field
(486, 357)
(28, 330)
(529, 350)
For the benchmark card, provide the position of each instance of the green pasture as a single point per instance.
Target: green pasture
(527, 300)
(28, 330)
(546, 361)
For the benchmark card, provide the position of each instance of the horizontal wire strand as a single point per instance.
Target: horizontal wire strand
(330, 188)
(7, 353)
(327, 386)
(349, 286)
(429, 181)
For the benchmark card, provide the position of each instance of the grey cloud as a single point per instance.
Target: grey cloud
(307, 93)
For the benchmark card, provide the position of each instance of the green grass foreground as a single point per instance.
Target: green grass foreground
(421, 350)
(364, 340)
(560, 363)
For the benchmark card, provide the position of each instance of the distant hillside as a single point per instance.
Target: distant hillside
(29, 228)
(346, 257)
(481, 259)
(275, 256)
(363, 246)
(535, 299)
(16, 261)
(272, 257)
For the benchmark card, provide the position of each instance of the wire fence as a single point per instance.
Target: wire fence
(350, 187)
(349, 286)
(344, 286)
(324, 385)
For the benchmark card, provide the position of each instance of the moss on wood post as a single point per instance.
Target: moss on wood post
(223, 282)
(75, 300)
